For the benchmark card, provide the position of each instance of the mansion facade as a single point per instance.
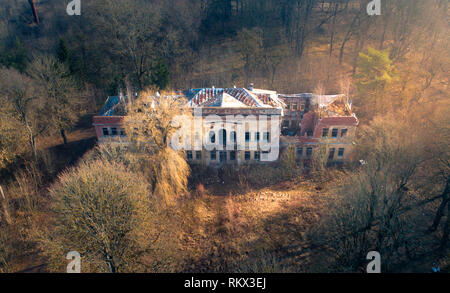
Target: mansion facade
(247, 125)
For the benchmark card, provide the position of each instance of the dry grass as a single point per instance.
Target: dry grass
(73, 136)
(259, 231)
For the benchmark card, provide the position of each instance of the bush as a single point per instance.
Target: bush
(113, 152)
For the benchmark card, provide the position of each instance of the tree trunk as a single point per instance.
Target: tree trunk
(34, 10)
(274, 68)
(444, 240)
(32, 141)
(362, 35)
(63, 135)
(356, 54)
(333, 27)
(441, 209)
(110, 262)
(383, 35)
(4, 207)
(346, 38)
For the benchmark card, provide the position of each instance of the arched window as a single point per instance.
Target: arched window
(223, 137)
(212, 137)
(233, 136)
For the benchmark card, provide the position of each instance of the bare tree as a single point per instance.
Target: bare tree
(378, 206)
(250, 47)
(130, 30)
(150, 126)
(62, 99)
(104, 212)
(21, 107)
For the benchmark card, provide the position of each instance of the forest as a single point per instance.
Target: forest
(143, 208)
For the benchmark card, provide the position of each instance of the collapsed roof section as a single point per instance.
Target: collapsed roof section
(328, 111)
(233, 98)
(333, 105)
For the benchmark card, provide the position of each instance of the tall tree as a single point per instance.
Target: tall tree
(62, 99)
(250, 47)
(298, 23)
(20, 106)
(375, 74)
(151, 124)
(134, 45)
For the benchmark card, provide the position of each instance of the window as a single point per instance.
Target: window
(257, 156)
(114, 131)
(232, 155)
(308, 152)
(222, 156)
(302, 107)
(247, 156)
(189, 155)
(198, 155)
(294, 106)
(213, 156)
(122, 132)
(233, 136)
(344, 132)
(325, 132)
(212, 136)
(223, 137)
(299, 152)
(341, 152)
(331, 153)
(105, 132)
(257, 136)
(266, 136)
(334, 133)
(247, 136)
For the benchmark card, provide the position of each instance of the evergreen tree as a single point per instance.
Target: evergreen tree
(63, 52)
(16, 56)
(161, 75)
(376, 74)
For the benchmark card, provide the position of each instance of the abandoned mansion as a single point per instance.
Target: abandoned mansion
(249, 125)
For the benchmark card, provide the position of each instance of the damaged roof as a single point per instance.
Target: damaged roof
(114, 106)
(233, 98)
(338, 105)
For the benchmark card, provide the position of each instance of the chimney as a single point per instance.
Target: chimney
(251, 87)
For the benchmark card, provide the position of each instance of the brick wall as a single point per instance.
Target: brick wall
(108, 122)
